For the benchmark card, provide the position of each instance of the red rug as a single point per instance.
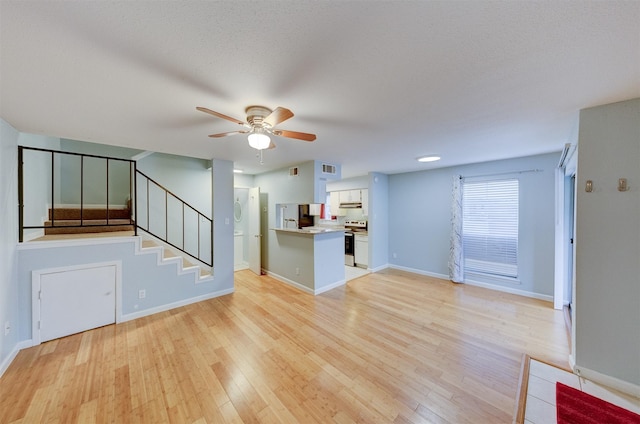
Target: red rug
(576, 407)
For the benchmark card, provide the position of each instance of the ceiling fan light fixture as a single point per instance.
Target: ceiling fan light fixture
(429, 158)
(259, 141)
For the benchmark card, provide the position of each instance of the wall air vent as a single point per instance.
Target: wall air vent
(328, 169)
(293, 172)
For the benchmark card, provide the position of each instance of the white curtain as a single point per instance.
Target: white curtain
(456, 271)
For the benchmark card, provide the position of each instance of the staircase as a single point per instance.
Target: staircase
(93, 220)
(167, 255)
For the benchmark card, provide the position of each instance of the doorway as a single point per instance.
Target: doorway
(70, 300)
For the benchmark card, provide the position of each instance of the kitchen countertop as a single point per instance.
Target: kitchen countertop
(310, 230)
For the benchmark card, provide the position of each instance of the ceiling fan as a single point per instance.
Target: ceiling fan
(261, 122)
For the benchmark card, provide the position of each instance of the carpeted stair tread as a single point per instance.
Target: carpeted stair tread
(89, 213)
(90, 229)
(87, 222)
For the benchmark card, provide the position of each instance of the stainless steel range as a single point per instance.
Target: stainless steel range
(351, 227)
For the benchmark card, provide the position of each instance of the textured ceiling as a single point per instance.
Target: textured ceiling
(380, 83)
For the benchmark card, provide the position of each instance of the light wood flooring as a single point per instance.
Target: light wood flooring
(389, 347)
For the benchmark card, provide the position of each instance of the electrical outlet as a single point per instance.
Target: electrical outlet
(297, 271)
(7, 328)
(395, 255)
(142, 294)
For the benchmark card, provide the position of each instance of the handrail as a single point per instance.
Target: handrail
(132, 195)
(199, 216)
(22, 227)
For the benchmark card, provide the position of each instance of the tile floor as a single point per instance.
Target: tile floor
(541, 393)
(353, 272)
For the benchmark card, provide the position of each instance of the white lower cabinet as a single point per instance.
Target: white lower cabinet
(362, 250)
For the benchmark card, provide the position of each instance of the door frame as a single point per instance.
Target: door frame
(564, 173)
(254, 248)
(35, 290)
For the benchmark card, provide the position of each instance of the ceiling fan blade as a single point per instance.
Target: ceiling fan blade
(295, 134)
(277, 116)
(271, 146)
(219, 115)
(227, 133)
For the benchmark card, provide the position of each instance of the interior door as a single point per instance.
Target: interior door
(570, 224)
(255, 234)
(76, 300)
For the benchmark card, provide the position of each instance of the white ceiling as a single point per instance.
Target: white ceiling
(380, 83)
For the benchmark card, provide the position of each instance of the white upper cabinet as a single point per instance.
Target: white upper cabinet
(364, 195)
(350, 196)
(335, 204)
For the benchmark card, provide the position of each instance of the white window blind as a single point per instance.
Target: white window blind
(490, 227)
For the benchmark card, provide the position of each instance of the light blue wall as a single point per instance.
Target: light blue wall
(188, 178)
(8, 242)
(243, 180)
(419, 219)
(278, 187)
(67, 145)
(222, 183)
(378, 220)
(140, 271)
(95, 172)
(162, 283)
(607, 243)
(37, 180)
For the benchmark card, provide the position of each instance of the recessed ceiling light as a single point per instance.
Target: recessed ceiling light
(238, 171)
(430, 158)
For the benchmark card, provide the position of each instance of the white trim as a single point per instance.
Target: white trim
(613, 382)
(142, 155)
(330, 287)
(138, 250)
(305, 288)
(169, 306)
(34, 234)
(560, 256)
(379, 268)
(290, 282)
(240, 267)
(510, 290)
(420, 272)
(76, 242)
(4, 365)
(572, 362)
(35, 290)
(477, 283)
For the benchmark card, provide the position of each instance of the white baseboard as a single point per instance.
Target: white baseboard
(305, 288)
(379, 268)
(4, 365)
(330, 287)
(169, 306)
(477, 283)
(290, 282)
(606, 380)
(33, 234)
(420, 272)
(240, 267)
(509, 290)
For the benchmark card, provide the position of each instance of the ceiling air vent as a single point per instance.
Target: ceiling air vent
(293, 172)
(328, 169)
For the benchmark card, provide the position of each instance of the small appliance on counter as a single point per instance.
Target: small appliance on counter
(351, 227)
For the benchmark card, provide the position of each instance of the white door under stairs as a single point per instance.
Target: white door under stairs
(73, 300)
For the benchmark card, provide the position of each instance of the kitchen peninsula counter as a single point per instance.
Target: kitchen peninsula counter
(311, 258)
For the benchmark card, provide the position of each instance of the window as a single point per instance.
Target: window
(490, 227)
